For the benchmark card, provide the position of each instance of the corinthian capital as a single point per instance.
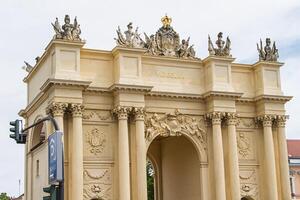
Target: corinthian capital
(76, 109)
(139, 113)
(231, 118)
(57, 108)
(280, 120)
(215, 117)
(122, 111)
(266, 120)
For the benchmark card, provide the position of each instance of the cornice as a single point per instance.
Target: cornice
(175, 95)
(273, 98)
(118, 49)
(228, 95)
(97, 90)
(218, 58)
(268, 63)
(62, 82)
(133, 88)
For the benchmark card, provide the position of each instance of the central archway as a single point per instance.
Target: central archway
(176, 168)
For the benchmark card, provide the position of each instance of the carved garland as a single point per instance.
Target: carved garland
(99, 186)
(95, 115)
(248, 186)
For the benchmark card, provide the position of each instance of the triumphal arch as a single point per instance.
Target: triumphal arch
(210, 128)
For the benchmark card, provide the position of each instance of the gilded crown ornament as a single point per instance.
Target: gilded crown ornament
(165, 42)
(166, 20)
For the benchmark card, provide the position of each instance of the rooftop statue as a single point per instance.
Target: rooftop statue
(130, 38)
(68, 31)
(28, 67)
(267, 53)
(223, 49)
(165, 42)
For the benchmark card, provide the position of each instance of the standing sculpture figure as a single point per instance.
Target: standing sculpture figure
(223, 48)
(267, 53)
(67, 28)
(68, 31)
(129, 33)
(76, 30)
(220, 43)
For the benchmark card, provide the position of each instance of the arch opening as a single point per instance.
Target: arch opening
(176, 169)
(38, 135)
(246, 198)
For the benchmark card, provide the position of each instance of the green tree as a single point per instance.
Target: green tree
(150, 181)
(3, 196)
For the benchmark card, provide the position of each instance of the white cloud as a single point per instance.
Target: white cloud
(26, 30)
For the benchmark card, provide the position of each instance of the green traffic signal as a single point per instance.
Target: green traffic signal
(52, 191)
(17, 132)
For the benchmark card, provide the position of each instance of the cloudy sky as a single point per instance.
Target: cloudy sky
(26, 30)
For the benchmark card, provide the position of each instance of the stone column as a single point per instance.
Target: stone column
(270, 167)
(123, 149)
(283, 158)
(233, 160)
(141, 157)
(57, 109)
(76, 163)
(218, 157)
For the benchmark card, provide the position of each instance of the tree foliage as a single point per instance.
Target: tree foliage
(150, 181)
(3, 196)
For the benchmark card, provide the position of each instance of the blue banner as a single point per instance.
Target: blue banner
(55, 157)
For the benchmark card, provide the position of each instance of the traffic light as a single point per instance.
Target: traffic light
(53, 191)
(17, 130)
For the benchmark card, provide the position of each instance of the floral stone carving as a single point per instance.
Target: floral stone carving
(243, 145)
(97, 186)
(248, 184)
(96, 115)
(174, 125)
(96, 140)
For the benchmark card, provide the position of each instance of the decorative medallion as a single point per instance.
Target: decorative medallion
(96, 140)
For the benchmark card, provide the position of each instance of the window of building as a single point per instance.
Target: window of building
(37, 167)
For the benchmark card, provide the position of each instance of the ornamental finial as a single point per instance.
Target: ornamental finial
(166, 20)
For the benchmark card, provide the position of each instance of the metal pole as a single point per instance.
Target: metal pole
(56, 127)
(42, 120)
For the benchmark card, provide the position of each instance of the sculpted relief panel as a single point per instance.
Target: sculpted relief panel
(98, 184)
(96, 115)
(176, 124)
(97, 142)
(249, 183)
(246, 145)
